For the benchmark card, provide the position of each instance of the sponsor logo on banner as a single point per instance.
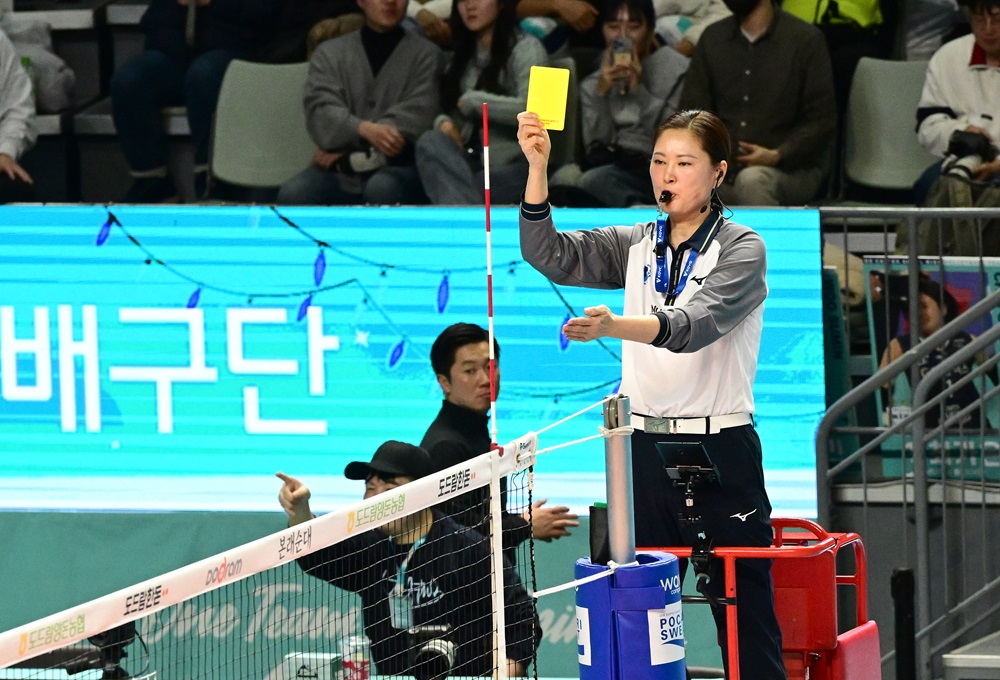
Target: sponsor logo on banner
(51, 634)
(376, 512)
(143, 600)
(455, 482)
(666, 634)
(225, 570)
(672, 585)
(583, 635)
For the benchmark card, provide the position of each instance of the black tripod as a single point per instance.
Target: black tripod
(688, 465)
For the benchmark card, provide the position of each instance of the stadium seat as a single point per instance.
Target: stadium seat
(881, 150)
(260, 138)
(805, 602)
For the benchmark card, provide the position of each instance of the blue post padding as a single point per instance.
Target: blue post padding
(631, 618)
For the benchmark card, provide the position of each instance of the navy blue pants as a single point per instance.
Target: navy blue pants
(735, 513)
(151, 81)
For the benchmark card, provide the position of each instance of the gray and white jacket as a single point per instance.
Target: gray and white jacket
(707, 362)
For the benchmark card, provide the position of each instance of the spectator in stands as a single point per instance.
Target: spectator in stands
(958, 120)
(680, 23)
(430, 571)
(460, 357)
(962, 94)
(767, 75)
(938, 307)
(491, 64)
(635, 89)
(17, 126)
(187, 51)
(369, 95)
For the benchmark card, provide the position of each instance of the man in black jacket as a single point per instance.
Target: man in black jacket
(419, 570)
(460, 357)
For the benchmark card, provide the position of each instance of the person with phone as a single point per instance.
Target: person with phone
(490, 63)
(694, 302)
(633, 90)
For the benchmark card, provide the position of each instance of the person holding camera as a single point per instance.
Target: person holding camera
(633, 90)
(424, 580)
(958, 120)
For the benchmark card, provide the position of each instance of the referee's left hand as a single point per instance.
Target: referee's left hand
(597, 324)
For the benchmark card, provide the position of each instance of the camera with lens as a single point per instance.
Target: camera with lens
(966, 151)
(432, 652)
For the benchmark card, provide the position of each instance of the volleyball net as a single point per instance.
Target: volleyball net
(310, 601)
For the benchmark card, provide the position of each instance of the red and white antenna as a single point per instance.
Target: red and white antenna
(489, 273)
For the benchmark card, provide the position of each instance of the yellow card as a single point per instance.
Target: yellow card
(547, 92)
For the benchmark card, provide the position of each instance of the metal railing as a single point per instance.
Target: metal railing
(966, 596)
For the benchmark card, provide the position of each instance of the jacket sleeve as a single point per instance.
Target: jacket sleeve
(590, 259)
(735, 287)
(817, 119)
(329, 119)
(697, 92)
(503, 109)
(17, 106)
(595, 114)
(350, 564)
(936, 117)
(421, 101)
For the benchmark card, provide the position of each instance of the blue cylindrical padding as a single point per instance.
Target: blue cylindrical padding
(633, 617)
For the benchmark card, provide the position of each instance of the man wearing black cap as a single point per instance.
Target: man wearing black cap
(417, 570)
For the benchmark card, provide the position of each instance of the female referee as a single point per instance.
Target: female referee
(694, 300)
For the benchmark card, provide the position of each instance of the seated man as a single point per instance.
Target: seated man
(17, 125)
(767, 75)
(430, 571)
(369, 95)
(188, 49)
(957, 120)
(460, 357)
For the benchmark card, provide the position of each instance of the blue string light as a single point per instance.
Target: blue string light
(397, 353)
(319, 267)
(105, 231)
(304, 308)
(443, 291)
(367, 303)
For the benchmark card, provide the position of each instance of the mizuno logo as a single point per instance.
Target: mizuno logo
(699, 281)
(742, 516)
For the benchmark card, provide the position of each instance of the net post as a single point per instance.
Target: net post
(496, 557)
(618, 464)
